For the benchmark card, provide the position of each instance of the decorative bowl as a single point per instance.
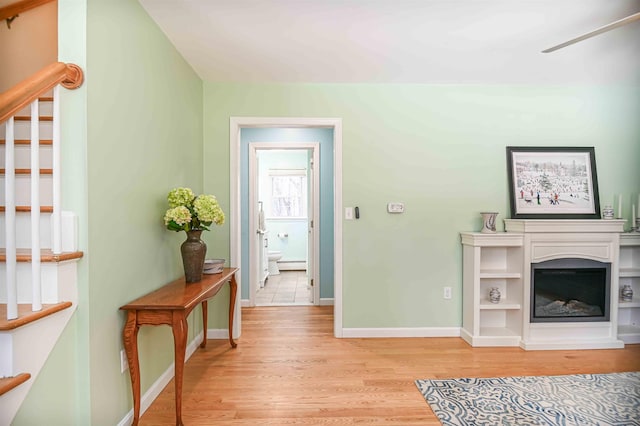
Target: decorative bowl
(213, 266)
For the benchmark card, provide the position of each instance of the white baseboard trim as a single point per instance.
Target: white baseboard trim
(156, 388)
(323, 302)
(292, 265)
(402, 332)
(218, 333)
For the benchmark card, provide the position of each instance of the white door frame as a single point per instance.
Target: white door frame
(235, 125)
(314, 147)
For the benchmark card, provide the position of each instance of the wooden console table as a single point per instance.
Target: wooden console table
(171, 305)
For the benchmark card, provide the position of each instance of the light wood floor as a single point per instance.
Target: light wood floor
(289, 369)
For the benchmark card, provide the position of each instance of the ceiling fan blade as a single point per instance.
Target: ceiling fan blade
(611, 26)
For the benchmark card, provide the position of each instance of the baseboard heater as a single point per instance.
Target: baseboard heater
(292, 265)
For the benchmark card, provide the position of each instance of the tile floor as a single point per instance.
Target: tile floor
(289, 288)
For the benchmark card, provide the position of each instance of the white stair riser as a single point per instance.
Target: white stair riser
(69, 233)
(54, 281)
(23, 190)
(6, 355)
(23, 230)
(22, 130)
(22, 157)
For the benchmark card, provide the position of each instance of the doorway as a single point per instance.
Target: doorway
(284, 204)
(238, 249)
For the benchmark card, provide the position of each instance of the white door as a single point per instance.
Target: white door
(310, 238)
(313, 204)
(313, 242)
(256, 236)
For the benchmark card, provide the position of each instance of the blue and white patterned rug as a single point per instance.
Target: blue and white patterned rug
(584, 399)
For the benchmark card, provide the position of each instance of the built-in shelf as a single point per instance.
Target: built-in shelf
(629, 272)
(492, 260)
(497, 332)
(506, 304)
(500, 274)
(635, 303)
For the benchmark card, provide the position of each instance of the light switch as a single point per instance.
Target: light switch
(348, 213)
(395, 207)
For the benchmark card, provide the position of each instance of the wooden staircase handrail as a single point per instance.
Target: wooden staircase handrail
(13, 100)
(18, 7)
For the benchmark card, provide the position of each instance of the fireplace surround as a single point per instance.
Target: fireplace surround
(579, 255)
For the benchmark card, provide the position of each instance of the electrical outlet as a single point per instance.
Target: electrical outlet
(124, 364)
(447, 293)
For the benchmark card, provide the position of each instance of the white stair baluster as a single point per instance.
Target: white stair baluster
(36, 289)
(56, 218)
(10, 221)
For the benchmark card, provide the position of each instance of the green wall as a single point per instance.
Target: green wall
(144, 122)
(143, 136)
(440, 149)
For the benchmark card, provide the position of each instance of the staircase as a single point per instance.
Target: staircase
(38, 241)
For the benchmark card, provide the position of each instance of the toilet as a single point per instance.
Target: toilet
(273, 257)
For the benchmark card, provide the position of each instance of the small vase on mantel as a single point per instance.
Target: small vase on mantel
(488, 222)
(193, 252)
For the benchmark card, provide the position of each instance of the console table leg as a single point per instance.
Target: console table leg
(179, 326)
(205, 314)
(130, 339)
(233, 285)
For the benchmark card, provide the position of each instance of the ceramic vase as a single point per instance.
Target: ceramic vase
(626, 293)
(494, 295)
(193, 251)
(488, 222)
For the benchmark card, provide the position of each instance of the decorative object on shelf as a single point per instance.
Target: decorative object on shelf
(607, 212)
(619, 216)
(494, 295)
(213, 266)
(626, 293)
(192, 214)
(553, 183)
(636, 219)
(488, 222)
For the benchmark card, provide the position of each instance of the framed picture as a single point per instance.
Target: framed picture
(553, 183)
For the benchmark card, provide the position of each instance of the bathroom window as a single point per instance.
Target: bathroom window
(288, 193)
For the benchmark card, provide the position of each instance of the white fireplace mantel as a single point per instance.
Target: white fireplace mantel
(564, 225)
(499, 260)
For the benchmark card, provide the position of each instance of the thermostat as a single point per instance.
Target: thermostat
(395, 207)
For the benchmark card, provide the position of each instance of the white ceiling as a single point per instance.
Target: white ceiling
(402, 41)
